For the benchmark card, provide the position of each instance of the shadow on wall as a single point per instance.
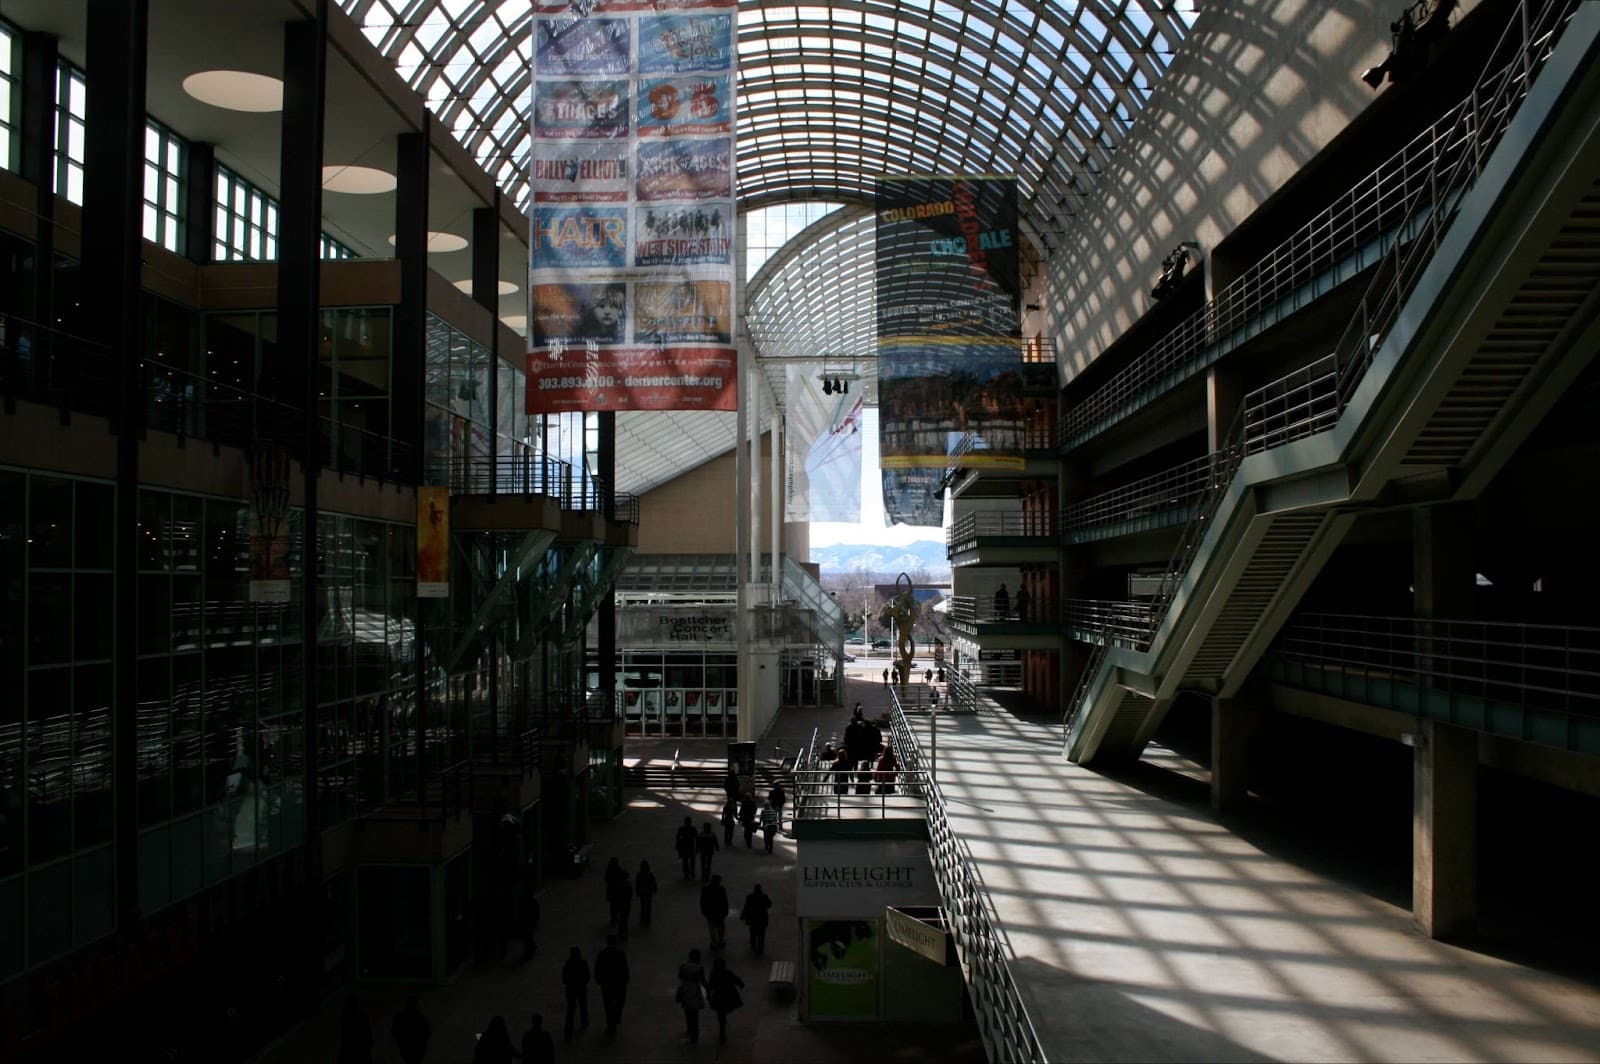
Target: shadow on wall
(1256, 91)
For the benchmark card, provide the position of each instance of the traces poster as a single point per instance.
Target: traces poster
(632, 251)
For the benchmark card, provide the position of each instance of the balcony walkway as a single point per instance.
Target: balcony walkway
(1144, 929)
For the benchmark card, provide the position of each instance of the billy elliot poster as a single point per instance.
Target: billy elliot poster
(949, 335)
(630, 275)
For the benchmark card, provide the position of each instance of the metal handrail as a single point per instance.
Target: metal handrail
(1376, 207)
(1121, 622)
(969, 527)
(45, 365)
(518, 749)
(1541, 666)
(976, 609)
(1310, 400)
(1170, 491)
(522, 474)
(1008, 1033)
(864, 792)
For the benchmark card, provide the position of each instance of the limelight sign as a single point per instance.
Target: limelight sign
(859, 879)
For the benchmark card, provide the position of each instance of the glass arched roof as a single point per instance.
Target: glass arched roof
(832, 96)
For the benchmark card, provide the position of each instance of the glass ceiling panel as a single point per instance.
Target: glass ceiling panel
(1051, 76)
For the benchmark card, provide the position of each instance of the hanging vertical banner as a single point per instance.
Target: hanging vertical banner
(630, 273)
(269, 528)
(949, 334)
(823, 457)
(433, 542)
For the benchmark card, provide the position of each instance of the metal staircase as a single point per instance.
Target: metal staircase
(1465, 338)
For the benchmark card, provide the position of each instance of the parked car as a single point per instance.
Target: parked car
(881, 644)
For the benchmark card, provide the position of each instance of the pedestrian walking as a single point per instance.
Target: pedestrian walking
(644, 885)
(887, 766)
(756, 913)
(611, 975)
(575, 977)
(723, 995)
(1023, 598)
(686, 846)
(691, 996)
(1002, 603)
(355, 1034)
(705, 844)
(714, 907)
(748, 819)
(620, 897)
(776, 797)
(494, 1044)
(886, 677)
(769, 825)
(730, 817)
(841, 772)
(537, 1045)
(412, 1032)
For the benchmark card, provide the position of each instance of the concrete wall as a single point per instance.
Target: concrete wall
(696, 513)
(1256, 91)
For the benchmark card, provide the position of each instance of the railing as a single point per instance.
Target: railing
(972, 609)
(1386, 660)
(519, 750)
(1121, 622)
(531, 473)
(1311, 400)
(1383, 203)
(1085, 684)
(44, 365)
(1170, 494)
(192, 406)
(1008, 1033)
(960, 693)
(966, 531)
(859, 792)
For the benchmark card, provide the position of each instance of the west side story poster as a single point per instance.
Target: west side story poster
(631, 260)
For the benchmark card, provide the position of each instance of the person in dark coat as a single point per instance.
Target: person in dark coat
(705, 844)
(619, 893)
(887, 766)
(724, 995)
(730, 818)
(756, 913)
(575, 977)
(644, 885)
(776, 797)
(355, 1034)
(611, 975)
(494, 1045)
(841, 772)
(686, 846)
(714, 907)
(691, 995)
(747, 819)
(1002, 603)
(537, 1045)
(411, 1031)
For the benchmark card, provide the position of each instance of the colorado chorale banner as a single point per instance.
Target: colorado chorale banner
(630, 276)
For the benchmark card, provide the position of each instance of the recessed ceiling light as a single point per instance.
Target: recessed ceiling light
(440, 242)
(505, 287)
(357, 180)
(236, 90)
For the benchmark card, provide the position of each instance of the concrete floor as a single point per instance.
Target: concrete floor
(1142, 929)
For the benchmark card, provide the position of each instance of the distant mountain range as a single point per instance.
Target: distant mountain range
(883, 563)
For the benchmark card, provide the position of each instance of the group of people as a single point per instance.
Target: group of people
(412, 1034)
(862, 757)
(1002, 603)
(741, 811)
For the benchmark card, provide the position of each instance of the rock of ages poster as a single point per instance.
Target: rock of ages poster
(630, 273)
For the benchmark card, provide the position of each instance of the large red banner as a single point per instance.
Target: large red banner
(633, 378)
